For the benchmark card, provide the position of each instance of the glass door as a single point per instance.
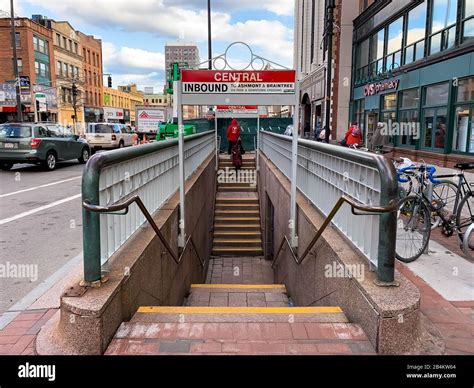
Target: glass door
(434, 128)
(463, 136)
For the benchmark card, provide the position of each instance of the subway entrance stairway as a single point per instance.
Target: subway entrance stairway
(239, 310)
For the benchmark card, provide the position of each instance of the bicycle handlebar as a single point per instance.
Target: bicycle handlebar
(430, 170)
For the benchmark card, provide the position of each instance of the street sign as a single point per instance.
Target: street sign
(149, 118)
(237, 109)
(41, 102)
(25, 84)
(238, 82)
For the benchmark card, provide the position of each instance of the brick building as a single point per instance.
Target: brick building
(93, 77)
(35, 54)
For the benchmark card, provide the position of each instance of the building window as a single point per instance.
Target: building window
(36, 67)
(394, 44)
(389, 111)
(377, 43)
(359, 112)
(65, 70)
(59, 68)
(84, 53)
(362, 61)
(463, 135)
(64, 42)
(465, 90)
(58, 40)
(416, 29)
(71, 70)
(468, 21)
(69, 46)
(19, 63)
(443, 25)
(408, 117)
(43, 70)
(17, 40)
(435, 116)
(76, 48)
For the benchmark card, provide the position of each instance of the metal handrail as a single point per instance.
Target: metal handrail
(113, 209)
(369, 210)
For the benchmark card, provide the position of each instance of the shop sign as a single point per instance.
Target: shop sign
(375, 88)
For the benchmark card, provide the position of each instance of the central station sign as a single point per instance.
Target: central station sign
(238, 82)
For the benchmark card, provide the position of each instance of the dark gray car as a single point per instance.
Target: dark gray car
(43, 143)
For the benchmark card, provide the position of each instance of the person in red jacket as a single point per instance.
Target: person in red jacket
(353, 135)
(233, 134)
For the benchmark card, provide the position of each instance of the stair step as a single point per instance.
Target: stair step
(236, 227)
(228, 243)
(237, 213)
(233, 287)
(235, 251)
(227, 200)
(236, 188)
(237, 220)
(224, 184)
(237, 314)
(237, 235)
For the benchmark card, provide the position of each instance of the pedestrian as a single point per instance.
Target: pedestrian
(237, 152)
(233, 134)
(353, 136)
(317, 131)
(322, 135)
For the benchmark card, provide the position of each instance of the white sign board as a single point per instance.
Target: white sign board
(148, 119)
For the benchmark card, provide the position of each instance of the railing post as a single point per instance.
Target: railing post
(217, 145)
(182, 230)
(387, 224)
(257, 150)
(91, 226)
(294, 165)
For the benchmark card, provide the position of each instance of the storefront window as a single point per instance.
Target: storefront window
(415, 43)
(409, 121)
(389, 101)
(462, 142)
(394, 44)
(465, 90)
(443, 28)
(362, 61)
(437, 94)
(359, 107)
(409, 99)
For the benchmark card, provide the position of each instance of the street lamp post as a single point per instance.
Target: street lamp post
(329, 27)
(19, 112)
(209, 35)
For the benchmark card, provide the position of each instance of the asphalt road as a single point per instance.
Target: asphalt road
(40, 226)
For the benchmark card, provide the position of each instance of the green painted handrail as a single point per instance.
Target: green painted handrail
(90, 195)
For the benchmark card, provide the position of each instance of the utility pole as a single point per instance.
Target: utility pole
(329, 27)
(209, 35)
(19, 112)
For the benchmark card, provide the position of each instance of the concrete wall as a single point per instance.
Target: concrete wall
(390, 316)
(139, 273)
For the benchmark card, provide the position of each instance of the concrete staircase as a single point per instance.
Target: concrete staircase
(239, 319)
(237, 230)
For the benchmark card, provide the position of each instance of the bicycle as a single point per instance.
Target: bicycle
(419, 213)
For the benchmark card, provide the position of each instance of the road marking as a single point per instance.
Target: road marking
(40, 187)
(38, 209)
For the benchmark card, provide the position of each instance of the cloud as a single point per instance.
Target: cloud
(174, 20)
(131, 58)
(152, 79)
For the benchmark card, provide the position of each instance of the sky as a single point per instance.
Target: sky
(134, 32)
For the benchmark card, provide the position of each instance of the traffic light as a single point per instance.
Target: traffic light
(109, 81)
(75, 91)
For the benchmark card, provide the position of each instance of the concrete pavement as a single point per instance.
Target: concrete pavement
(40, 226)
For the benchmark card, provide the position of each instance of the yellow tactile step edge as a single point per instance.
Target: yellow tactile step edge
(237, 286)
(239, 310)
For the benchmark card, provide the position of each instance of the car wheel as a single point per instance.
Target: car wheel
(84, 155)
(5, 166)
(50, 162)
(121, 145)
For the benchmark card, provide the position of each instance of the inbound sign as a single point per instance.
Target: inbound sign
(238, 82)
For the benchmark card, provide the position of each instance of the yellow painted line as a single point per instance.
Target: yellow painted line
(238, 310)
(237, 286)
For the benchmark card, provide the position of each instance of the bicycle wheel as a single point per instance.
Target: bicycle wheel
(465, 214)
(444, 197)
(468, 242)
(413, 228)
(406, 188)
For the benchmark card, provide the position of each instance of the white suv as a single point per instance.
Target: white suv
(109, 136)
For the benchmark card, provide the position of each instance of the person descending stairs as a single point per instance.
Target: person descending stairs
(239, 310)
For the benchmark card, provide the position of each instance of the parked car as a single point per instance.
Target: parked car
(109, 136)
(40, 143)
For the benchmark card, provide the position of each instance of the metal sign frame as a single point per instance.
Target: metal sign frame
(257, 99)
